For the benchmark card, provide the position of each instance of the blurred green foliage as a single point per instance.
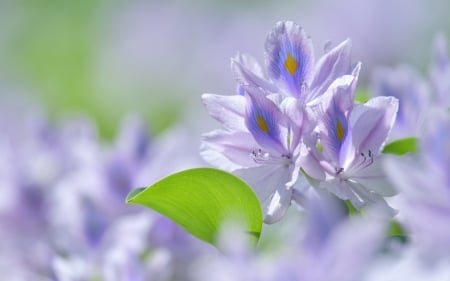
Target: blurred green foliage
(52, 46)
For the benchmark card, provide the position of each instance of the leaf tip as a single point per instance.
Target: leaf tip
(132, 194)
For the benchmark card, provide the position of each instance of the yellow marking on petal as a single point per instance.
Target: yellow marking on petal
(291, 64)
(340, 130)
(262, 124)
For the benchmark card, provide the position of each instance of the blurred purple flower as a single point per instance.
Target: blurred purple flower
(413, 95)
(424, 182)
(416, 95)
(344, 246)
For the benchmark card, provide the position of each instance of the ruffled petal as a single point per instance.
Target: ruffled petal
(290, 58)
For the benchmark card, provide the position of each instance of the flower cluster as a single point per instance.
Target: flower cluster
(62, 208)
(299, 126)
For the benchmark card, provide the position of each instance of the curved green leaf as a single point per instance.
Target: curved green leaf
(201, 200)
(401, 146)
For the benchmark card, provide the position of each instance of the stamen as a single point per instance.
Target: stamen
(261, 157)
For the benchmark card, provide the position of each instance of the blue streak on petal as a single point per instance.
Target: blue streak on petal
(338, 140)
(290, 57)
(263, 120)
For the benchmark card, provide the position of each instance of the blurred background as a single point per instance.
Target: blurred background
(106, 59)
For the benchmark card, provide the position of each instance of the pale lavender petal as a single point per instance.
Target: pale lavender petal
(294, 111)
(290, 58)
(309, 161)
(267, 181)
(332, 65)
(237, 147)
(228, 110)
(266, 122)
(279, 203)
(248, 73)
(371, 202)
(372, 123)
(374, 179)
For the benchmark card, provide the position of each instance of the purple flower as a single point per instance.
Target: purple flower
(262, 140)
(424, 182)
(290, 64)
(342, 245)
(416, 94)
(343, 150)
(413, 93)
(261, 144)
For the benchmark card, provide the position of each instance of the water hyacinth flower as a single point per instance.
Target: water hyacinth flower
(292, 70)
(262, 141)
(343, 150)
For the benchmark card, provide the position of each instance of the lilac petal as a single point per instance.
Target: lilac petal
(279, 203)
(309, 161)
(372, 202)
(267, 181)
(266, 122)
(331, 66)
(290, 57)
(219, 146)
(374, 179)
(339, 188)
(228, 110)
(372, 122)
(294, 111)
(248, 73)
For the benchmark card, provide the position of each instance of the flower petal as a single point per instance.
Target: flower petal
(228, 150)
(228, 110)
(372, 122)
(268, 182)
(248, 73)
(374, 179)
(331, 66)
(290, 57)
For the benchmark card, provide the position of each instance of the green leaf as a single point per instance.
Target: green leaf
(201, 200)
(401, 146)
